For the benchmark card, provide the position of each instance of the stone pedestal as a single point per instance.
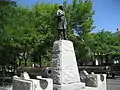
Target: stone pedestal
(65, 70)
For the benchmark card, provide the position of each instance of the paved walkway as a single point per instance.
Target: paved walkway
(6, 88)
(113, 84)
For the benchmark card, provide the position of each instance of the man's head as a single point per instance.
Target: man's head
(61, 7)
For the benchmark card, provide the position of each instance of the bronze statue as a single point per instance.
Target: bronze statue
(61, 23)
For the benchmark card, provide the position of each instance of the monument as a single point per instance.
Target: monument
(65, 71)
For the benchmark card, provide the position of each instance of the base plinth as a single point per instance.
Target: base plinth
(74, 86)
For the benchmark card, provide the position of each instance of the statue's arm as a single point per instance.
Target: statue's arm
(60, 14)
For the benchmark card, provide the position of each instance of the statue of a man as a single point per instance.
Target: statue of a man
(61, 22)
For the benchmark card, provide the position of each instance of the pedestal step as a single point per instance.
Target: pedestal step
(73, 86)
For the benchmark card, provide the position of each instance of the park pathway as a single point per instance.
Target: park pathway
(113, 84)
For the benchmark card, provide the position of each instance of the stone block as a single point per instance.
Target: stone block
(32, 84)
(102, 81)
(91, 81)
(65, 70)
(83, 76)
(19, 84)
(25, 75)
(96, 80)
(73, 86)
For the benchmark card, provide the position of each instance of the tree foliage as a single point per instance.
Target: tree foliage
(27, 34)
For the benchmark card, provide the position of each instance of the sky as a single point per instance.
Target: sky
(107, 12)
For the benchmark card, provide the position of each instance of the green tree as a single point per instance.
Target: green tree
(104, 43)
(80, 13)
(5, 51)
(30, 33)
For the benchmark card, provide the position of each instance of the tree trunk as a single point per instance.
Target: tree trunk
(24, 56)
(34, 64)
(40, 62)
(25, 62)
(93, 59)
(106, 59)
(19, 62)
(14, 66)
(101, 58)
(3, 75)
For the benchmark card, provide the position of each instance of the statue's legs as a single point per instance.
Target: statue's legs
(59, 33)
(64, 34)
